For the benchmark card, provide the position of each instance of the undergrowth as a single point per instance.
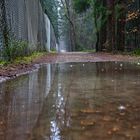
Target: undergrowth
(28, 59)
(136, 52)
(23, 60)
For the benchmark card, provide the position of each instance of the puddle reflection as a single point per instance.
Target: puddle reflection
(74, 101)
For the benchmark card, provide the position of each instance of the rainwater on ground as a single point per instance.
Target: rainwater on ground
(72, 101)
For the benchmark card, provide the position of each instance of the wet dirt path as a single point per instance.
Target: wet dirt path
(13, 70)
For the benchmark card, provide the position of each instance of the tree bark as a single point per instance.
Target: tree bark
(68, 15)
(120, 28)
(120, 38)
(110, 42)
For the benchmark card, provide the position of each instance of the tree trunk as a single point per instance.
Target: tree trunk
(102, 38)
(97, 42)
(120, 29)
(109, 34)
(70, 18)
(110, 42)
(120, 38)
(102, 32)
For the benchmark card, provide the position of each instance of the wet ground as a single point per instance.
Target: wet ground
(73, 101)
(13, 69)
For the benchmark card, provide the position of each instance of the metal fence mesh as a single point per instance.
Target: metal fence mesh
(25, 19)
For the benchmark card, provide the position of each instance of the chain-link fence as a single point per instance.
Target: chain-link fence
(25, 21)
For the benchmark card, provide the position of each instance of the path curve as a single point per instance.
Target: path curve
(14, 70)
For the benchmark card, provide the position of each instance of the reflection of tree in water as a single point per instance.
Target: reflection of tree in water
(55, 115)
(80, 97)
(20, 103)
(78, 100)
(4, 110)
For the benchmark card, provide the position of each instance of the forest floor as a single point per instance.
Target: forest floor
(15, 69)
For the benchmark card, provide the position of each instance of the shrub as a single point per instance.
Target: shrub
(136, 51)
(15, 49)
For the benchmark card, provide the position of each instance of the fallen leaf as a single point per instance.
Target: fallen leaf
(115, 129)
(134, 127)
(1, 123)
(87, 123)
(88, 111)
(122, 113)
(109, 132)
(107, 118)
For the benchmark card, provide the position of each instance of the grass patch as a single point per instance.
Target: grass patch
(3, 63)
(136, 52)
(90, 51)
(28, 59)
(53, 52)
(23, 60)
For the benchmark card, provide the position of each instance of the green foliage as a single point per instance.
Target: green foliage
(3, 63)
(23, 60)
(15, 49)
(82, 48)
(99, 12)
(81, 5)
(20, 49)
(119, 9)
(29, 58)
(137, 52)
(79, 47)
(90, 51)
(53, 50)
(50, 7)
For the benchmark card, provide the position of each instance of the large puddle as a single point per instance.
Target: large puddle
(73, 101)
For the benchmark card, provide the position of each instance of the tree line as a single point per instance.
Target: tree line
(106, 25)
(103, 25)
